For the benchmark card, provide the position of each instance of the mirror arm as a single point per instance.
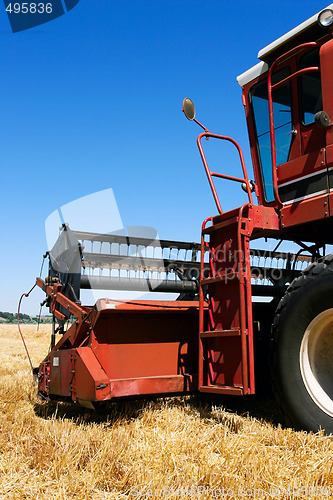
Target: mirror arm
(200, 124)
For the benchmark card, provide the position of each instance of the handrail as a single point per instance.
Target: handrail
(299, 48)
(293, 75)
(211, 174)
(202, 299)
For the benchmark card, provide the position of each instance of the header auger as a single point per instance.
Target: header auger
(208, 340)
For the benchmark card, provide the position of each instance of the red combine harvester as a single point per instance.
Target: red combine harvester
(215, 338)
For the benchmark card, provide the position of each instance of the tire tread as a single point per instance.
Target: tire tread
(312, 273)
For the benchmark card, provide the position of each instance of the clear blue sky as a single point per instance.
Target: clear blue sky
(92, 100)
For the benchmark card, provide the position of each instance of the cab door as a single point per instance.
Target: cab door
(326, 60)
(303, 182)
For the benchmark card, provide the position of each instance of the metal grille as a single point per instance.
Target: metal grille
(112, 261)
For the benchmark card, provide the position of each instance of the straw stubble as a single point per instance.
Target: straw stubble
(171, 448)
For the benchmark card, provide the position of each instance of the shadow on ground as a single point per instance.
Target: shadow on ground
(261, 407)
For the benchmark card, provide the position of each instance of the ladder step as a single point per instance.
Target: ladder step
(221, 333)
(221, 278)
(222, 389)
(220, 225)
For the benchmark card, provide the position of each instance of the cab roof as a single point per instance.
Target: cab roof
(307, 31)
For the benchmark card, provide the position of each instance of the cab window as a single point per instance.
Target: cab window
(310, 88)
(282, 113)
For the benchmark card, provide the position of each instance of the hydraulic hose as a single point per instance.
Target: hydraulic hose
(18, 324)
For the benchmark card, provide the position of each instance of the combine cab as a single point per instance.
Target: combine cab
(210, 339)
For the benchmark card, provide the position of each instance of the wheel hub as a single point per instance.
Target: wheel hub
(316, 360)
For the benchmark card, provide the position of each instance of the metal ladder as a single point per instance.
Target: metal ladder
(226, 361)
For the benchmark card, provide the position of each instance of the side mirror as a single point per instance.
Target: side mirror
(188, 108)
(189, 111)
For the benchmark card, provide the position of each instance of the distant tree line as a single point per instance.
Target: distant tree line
(7, 317)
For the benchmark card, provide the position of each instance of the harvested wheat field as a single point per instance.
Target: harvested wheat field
(173, 448)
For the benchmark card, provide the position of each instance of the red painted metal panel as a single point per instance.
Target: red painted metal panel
(146, 359)
(329, 156)
(60, 373)
(329, 228)
(146, 344)
(329, 161)
(313, 138)
(168, 384)
(215, 389)
(305, 165)
(263, 221)
(224, 361)
(90, 380)
(221, 333)
(43, 377)
(305, 211)
(107, 306)
(220, 225)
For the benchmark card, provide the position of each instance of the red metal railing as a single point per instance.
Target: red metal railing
(211, 174)
(202, 299)
(300, 48)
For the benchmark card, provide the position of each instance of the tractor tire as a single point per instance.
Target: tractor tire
(302, 350)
